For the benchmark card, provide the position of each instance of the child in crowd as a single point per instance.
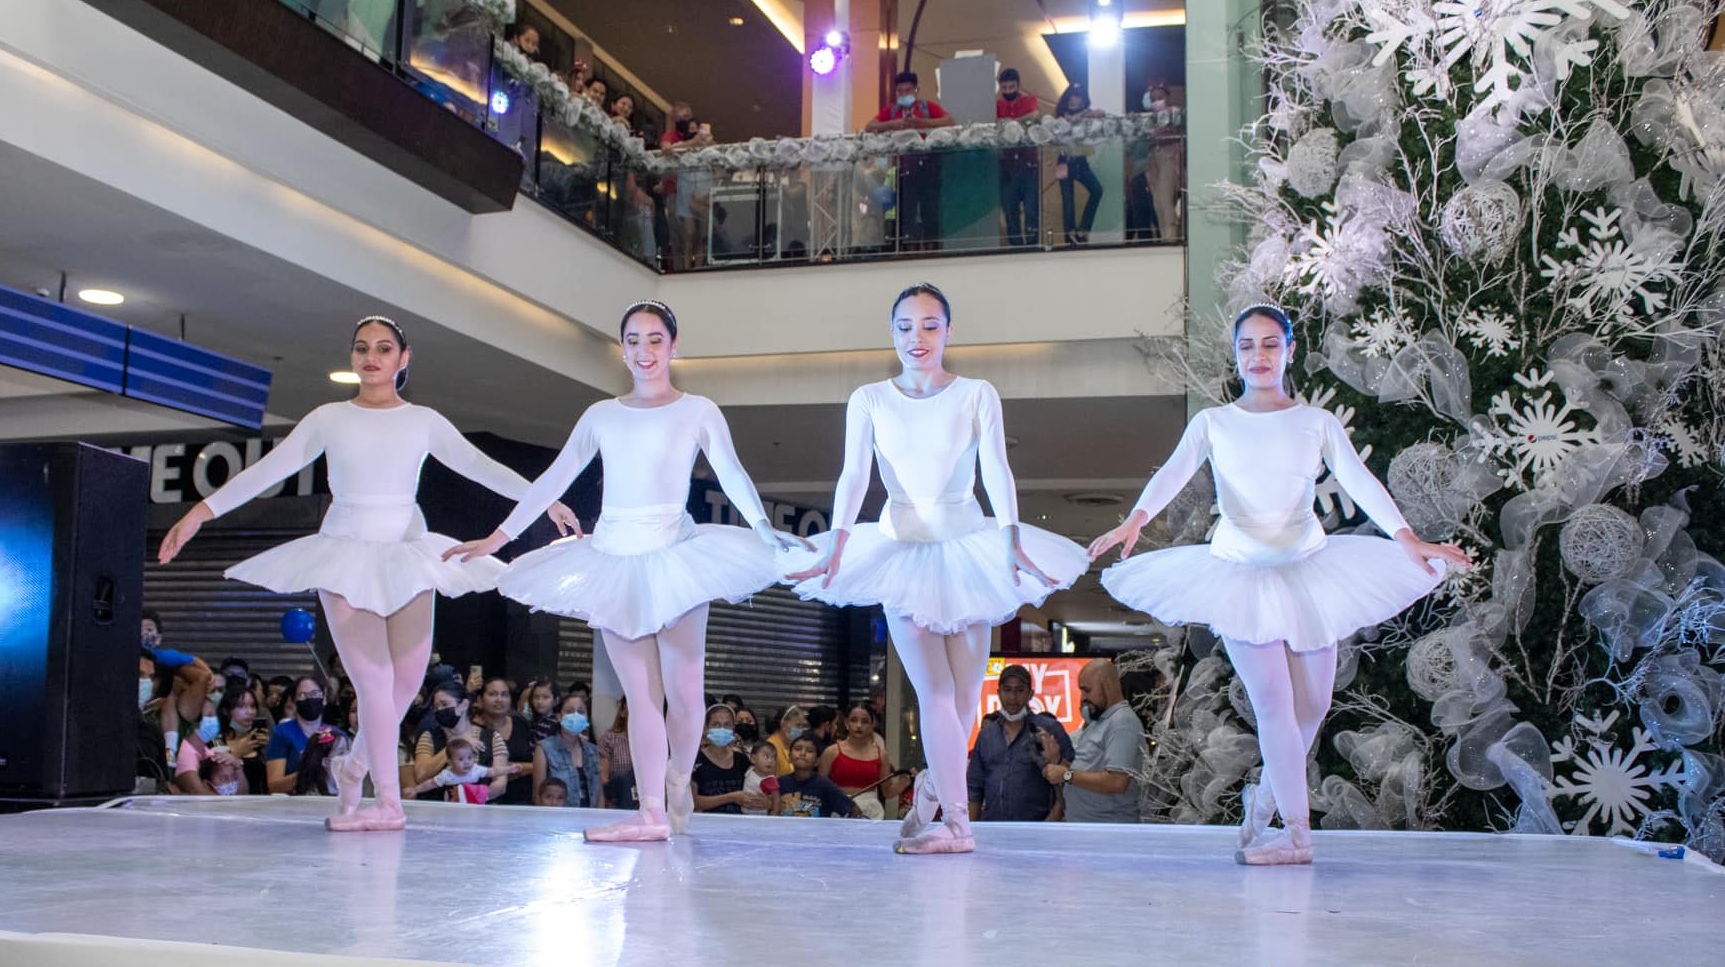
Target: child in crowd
(552, 792)
(806, 792)
(316, 776)
(464, 777)
(764, 761)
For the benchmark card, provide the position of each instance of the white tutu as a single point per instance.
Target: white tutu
(944, 570)
(1348, 583)
(641, 570)
(375, 552)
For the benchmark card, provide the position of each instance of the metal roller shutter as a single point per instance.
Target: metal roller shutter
(211, 617)
(774, 650)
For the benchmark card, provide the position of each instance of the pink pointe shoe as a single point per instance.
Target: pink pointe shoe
(1293, 847)
(924, 804)
(349, 775)
(951, 836)
(377, 818)
(647, 826)
(1259, 806)
(680, 803)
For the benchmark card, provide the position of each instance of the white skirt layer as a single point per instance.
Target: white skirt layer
(641, 570)
(945, 568)
(375, 552)
(1348, 583)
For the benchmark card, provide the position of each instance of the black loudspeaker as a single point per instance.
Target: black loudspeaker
(71, 589)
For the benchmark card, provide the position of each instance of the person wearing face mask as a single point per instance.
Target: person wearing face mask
(1100, 785)
(720, 770)
(287, 743)
(569, 758)
(1013, 748)
(918, 171)
(748, 729)
(450, 705)
(199, 769)
(1020, 177)
(793, 722)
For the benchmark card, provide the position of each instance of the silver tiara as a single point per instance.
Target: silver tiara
(655, 303)
(391, 323)
(1262, 305)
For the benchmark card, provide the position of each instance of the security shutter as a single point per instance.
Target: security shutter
(774, 650)
(212, 617)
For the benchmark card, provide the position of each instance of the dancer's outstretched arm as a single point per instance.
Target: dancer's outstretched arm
(1357, 479)
(460, 455)
(301, 446)
(714, 435)
(1165, 484)
(577, 452)
(851, 489)
(998, 483)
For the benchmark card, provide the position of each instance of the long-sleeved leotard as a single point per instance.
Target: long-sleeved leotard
(928, 451)
(1270, 573)
(374, 455)
(1266, 466)
(648, 456)
(372, 547)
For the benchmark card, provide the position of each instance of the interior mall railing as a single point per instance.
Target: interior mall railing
(1033, 183)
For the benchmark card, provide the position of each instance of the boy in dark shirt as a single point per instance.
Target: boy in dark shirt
(806, 792)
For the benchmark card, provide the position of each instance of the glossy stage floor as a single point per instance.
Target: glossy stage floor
(258, 881)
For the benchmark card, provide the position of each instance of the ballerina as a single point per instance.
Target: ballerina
(943, 573)
(1278, 591)
(646, 576)
(372, 562)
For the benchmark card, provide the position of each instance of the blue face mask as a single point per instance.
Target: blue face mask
(208, 728)
(146, 691)
(721, 737)
(575, 723)
(1085, 710)
(909, 100)
(794, 734)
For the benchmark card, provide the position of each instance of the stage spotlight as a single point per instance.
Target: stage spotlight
(835, 44)
(499, 102)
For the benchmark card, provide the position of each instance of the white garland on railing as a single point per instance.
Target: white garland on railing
(576, 111)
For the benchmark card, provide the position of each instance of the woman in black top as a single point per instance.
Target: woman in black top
(517, 735)
(245, 733)
(1073, 166)
(719, 769)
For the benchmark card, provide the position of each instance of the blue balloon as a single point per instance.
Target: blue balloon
(298, 625)
(883, 198)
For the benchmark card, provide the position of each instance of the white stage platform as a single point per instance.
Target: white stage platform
(150, 881)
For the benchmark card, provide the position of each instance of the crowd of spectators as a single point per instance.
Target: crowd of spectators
(489, 740)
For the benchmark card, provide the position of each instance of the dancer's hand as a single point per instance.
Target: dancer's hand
(1126, 535)
(1020, 563)
(567, 523)
(828, 564)
(778, 540)
(480, 548)
(183, 531)
(1422, 552)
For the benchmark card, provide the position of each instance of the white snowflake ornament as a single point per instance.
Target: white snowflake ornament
(1528, 434)
(1614, 784)
(1384, 333)
(1609, 277)
(1490, 331)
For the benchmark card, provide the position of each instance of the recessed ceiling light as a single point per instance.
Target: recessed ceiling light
(1094, 498)
(737, 21)
(344, 377)
(101, 297)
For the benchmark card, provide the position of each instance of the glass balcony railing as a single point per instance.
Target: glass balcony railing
(1035, 183)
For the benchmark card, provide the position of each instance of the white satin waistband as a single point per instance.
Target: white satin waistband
(627, 531)
(381, 518)
(930, 520)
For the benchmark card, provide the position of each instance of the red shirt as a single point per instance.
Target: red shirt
(921, 109)
(1024, 106)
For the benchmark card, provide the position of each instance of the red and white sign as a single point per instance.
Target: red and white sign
(1053, 688)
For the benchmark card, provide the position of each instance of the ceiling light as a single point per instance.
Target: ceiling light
(1104, 32)
(737, 21)
(1094, 498)
(344, 377)
(101, 297)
